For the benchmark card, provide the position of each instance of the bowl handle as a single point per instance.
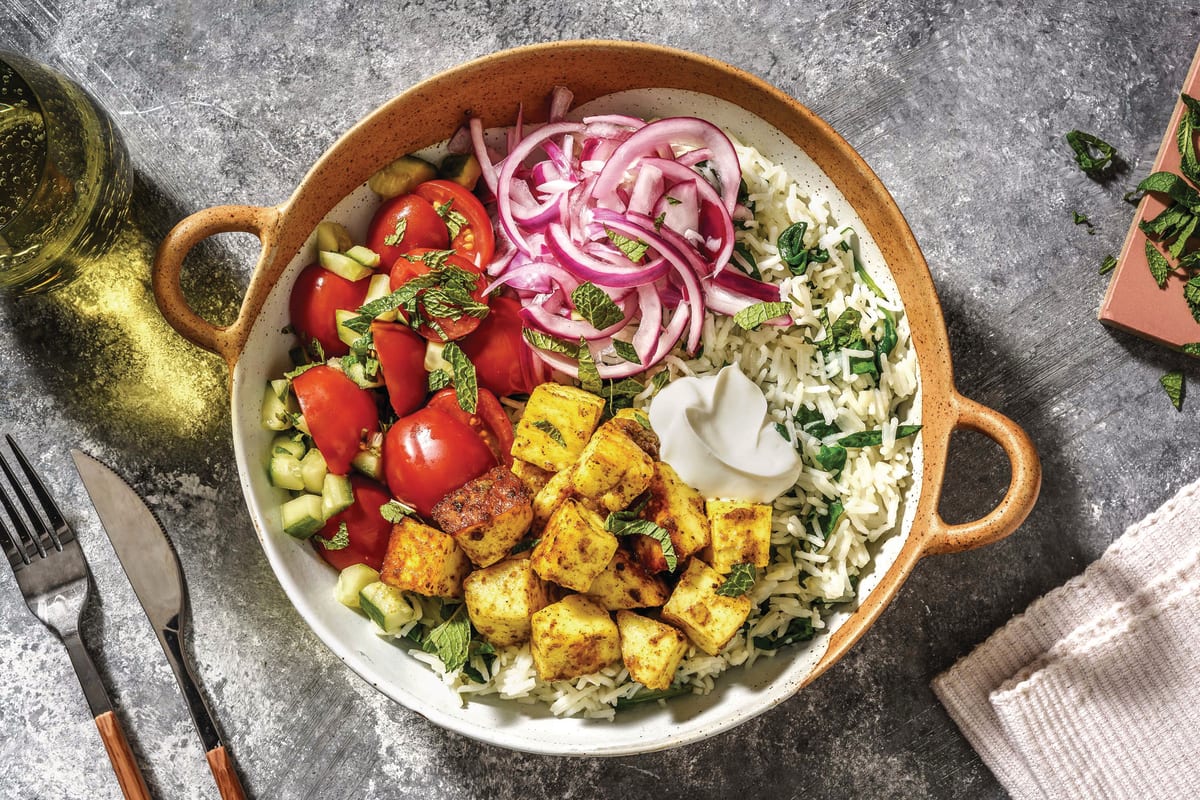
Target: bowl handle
(1022, 491)
(227, 341)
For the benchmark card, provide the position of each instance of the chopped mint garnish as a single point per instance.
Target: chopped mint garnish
(751, 317)
(1092, 154)
(634, 249)
(547, 427)
(738, 582)
(594, 305)
(1172, 384)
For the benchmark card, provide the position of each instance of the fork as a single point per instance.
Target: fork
(53, 576)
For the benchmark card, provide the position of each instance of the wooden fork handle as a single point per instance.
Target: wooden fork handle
(121, 756)
(222, 769)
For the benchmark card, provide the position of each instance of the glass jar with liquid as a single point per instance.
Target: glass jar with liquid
(64, 177)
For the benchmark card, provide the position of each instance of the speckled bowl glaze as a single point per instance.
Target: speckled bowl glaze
(640, 79)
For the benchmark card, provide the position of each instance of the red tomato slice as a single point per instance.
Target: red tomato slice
(475, 240)
(316, 295)
(402, 362)
(405, 270)
(368, 530)
(503, 362)
(408, 222)
(429, 454)
(338, 413)
(489, 421)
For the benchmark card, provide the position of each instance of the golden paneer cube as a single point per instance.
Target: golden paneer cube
(707, 618)
(650, 649)
(557, 423)
(551, 496)
(487, 516)
(424, 560)
(679, 510)
(612, 470)
(534, 478)
(573, 637)
(635, 424)
(501, 600)
(624, 583)
(574, 547)
(741, 534)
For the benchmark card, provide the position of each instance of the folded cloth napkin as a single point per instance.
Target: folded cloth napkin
(1094, 692)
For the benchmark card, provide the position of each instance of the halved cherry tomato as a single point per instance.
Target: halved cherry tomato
(489, 421)
(503, 362)
(368, 530)
(316, 295)
(402, 362)
(338, 413)
(405, 270)
(429, 454)
(422, 227)
(475, 240)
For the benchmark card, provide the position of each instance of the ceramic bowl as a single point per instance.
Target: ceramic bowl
(633, 78)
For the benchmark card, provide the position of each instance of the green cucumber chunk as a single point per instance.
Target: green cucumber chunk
(285, 472)
(387, 607)
(363, 255)
(352, 580)
(302, 516)
(337, 494)
(312, 470)
(462, 168)
(278, 407)
(343, 266)
(287, 444)
(369, 463)
(401, 177)
(379, 288)
(357, 372)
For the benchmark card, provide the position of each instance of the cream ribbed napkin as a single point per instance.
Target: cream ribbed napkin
(1095, 690)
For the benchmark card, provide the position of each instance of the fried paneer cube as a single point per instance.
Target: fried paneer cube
(501, 600)
(679, 510)
(534, 478)
(556, 491)
(709, 619)
(424, 560)
(612, 470)
(557, 423)
(650, 649)
(625, 583)
(740, 534)
(487, 516)
(573, 637)
(635, 424)
(574, 547)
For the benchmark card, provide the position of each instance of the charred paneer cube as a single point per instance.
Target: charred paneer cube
(501, 600)
(487, 516)
(534, 478)
(709, 619)
(573, 637)
(574, 547)
(650, 649)
(634, 423)
(740, 534)
(556, 425)
(679, 510)
(625, 583)
(612, 470)
(424, 560)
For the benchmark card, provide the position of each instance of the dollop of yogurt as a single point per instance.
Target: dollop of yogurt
(715, 432)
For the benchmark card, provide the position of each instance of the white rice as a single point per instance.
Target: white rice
(807, 573)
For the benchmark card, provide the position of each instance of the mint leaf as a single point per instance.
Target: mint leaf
(1092, 154)
(547, 427)
(626, 351)
(1108, 265)
(751, 317)
(626, 523)
(455, 221)
(339, 541)
(594, 305)
(1172, 384)
(393, 511)
(658, 221)
(831, 519)
(397, 236)
(1192, 349)
(589, 375)
(634, 249)
(875, 438)
(844, 333)
(466, 386)
(739, 581)
(544, 341)
(451, 641)
(1174, 187)
(1160, 268)
(439, 379)
(832, 459)
(1191, 293)
(1189, 124)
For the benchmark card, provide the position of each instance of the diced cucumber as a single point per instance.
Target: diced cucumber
(364, 255)
(369, 463)
(343, 266)
(462, 168)
(357, 372)
(345, 334)
(287, 444)
(352, 580)
(401, 177)
(380, 287)
(434, 360)
(387, 606)
(333, 236)
(312, 470)
(302, 516)
(285, 472)
(278, 407)
(336, 494)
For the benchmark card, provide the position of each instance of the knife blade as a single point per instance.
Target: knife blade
(152, 566)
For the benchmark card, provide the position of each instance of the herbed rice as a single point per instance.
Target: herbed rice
(808, 573)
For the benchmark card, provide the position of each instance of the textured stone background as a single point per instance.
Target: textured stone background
(959, 107)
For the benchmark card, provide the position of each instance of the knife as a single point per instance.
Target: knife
(150, 563)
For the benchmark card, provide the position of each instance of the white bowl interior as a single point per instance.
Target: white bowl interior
(740, 693)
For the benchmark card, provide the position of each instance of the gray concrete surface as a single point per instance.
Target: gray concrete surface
(959, 107)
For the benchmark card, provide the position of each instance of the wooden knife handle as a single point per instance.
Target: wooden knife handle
(121, 756)
(222, 769)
